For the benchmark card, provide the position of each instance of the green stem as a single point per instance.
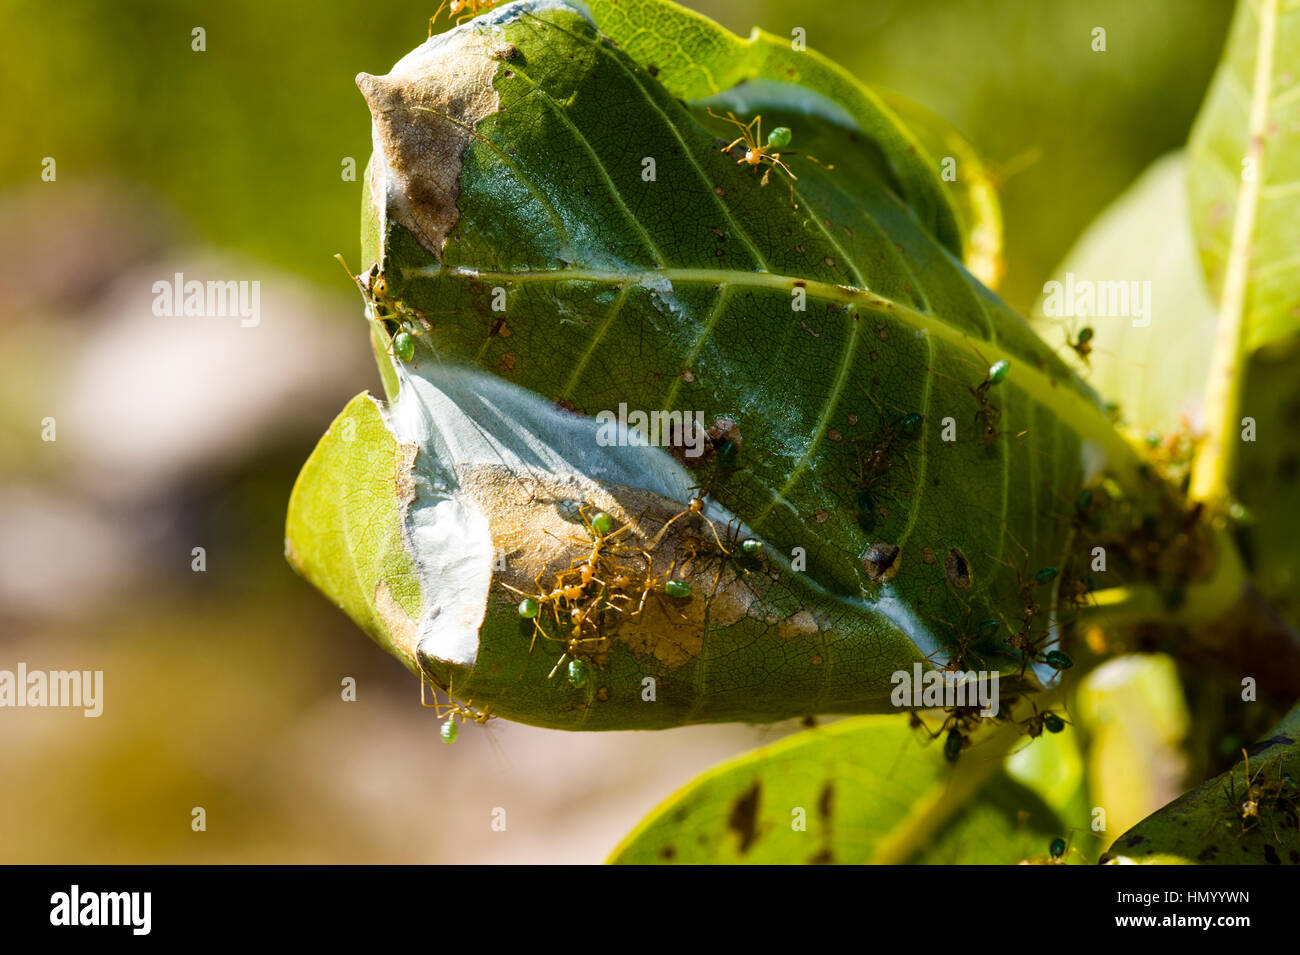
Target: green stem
(971, 773)
(1216, 459)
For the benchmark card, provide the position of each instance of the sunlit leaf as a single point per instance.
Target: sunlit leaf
(343, 532)
(1244, 173)
(1237, 818)
(1153, 360)
(859, 791)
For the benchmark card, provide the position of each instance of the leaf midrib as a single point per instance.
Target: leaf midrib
(1216, 460)
(1073, 408)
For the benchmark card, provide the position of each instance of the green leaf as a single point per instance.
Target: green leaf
(695, 60)
(343, 531)
(864, 790)
(1133, 714)
(1244, 174)
(1152, 365)
(518, 228)
(1211, 825)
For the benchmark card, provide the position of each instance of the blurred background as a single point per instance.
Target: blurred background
(223, 686)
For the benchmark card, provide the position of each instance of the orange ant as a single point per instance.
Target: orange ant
(987, 415)
(382, 307)
(743, 554)
(964, 636)
(593, 585)
(875, 462)
(1026, 591)
(462, 10)
(755, 155)
(694, 506)
(452, 710)
(1255, 794)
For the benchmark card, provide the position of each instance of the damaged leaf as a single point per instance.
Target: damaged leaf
(609, 313)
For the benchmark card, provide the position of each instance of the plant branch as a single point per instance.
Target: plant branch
(1216, 459)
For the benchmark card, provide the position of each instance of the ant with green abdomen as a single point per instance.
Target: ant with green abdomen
(452, 710)
(1046, 720)
(959, 722)
(964, 637)
(743, 554)
(383, 308)
(756, 154)
(1058, 852)
(987, 415)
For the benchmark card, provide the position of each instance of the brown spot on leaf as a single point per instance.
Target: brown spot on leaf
(826, 803)
(424, 112)
(743, 819)
(881, 562)
(957, 569)
(798, 624)
(403, 479)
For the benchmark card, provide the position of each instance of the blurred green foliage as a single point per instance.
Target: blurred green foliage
(247, 139)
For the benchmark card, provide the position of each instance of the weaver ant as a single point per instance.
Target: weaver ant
(756, 154)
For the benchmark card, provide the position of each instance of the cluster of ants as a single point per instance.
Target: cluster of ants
(1031, 636)
(613, 578)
